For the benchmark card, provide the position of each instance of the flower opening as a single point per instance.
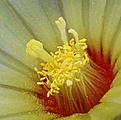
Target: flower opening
(71, 82)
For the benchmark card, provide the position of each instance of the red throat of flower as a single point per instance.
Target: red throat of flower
(72, 80)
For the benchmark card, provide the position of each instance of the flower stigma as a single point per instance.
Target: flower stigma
(71, 80)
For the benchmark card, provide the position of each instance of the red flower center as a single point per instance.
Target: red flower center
(72, 80)
(82, 96)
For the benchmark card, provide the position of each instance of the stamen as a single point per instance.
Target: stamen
(35, 49)
(63, 65)
(72, 31)
(83, 44)
(62, 25)
(68, 61)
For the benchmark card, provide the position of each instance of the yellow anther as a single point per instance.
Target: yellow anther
(50, 92)
(43, 78)
(83, 44)
(54, 86)
(62, 25)
(35, 49)
(40, 83)
(71, 42)
(55, 91)
(77, 79)
(82, 40)
(36, 69)
(38, 72)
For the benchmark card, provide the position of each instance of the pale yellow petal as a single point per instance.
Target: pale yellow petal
(77, 117)
(116, 47)
(96, 18)
(72, 11)
(14, 78)
(113, 95)
(105, 111)
(35, 17)
(117, 65)
(110, 25)
(117, 79)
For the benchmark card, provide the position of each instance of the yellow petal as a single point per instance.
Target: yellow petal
(113, 95)
(105, 111)
(77, 117)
